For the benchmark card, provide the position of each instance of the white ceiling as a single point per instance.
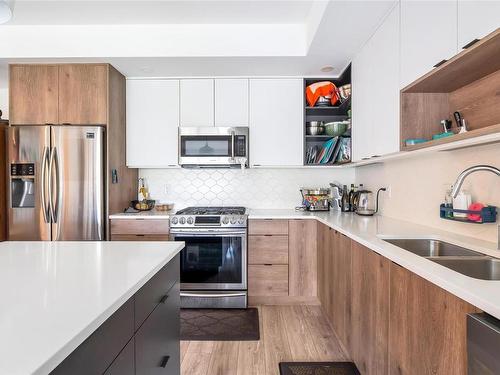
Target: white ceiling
(119, 12)
(193, 38)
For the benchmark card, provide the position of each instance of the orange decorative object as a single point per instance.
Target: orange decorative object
(324, 88)
(475, 207)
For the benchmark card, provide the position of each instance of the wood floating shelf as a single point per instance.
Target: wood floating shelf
(467, 83)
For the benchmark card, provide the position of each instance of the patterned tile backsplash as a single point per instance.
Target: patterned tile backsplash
(253, 188)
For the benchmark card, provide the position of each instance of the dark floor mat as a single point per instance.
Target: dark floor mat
(318, 368)
(220, 324)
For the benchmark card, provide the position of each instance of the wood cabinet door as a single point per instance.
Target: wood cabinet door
(268, 280)
(83, 94)
(324, 271)
(368, 339)
(428, 327)
(340, 284)
(152, 123)
(302, 258)
(33, 94)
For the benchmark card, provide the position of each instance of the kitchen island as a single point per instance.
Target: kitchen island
(62, 296)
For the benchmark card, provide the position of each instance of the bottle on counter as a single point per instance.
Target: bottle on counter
(345, 207)
(448, 202)
(462, 202)
(352, 195)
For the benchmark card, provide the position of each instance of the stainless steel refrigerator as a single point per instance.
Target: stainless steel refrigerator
(56, 183)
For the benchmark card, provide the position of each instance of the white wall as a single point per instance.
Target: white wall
(253, 188)
(4, 102)
(418, 187)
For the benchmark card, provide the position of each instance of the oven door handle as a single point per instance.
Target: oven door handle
(205, 234)
(215, 295)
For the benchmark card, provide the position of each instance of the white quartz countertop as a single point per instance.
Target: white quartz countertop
(369, 231)
(55, 294)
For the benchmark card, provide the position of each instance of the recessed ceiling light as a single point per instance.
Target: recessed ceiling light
(5, 12)
(327, 69)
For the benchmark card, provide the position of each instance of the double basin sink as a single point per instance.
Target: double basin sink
(459, 259)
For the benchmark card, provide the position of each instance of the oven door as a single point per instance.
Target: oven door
(213, 260)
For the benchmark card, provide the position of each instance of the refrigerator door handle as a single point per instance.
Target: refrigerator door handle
(43, 191)
(54, 206)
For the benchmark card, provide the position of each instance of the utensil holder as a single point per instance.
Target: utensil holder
(488, 214)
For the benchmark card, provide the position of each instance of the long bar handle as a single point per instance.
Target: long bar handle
(209, 295)
(43, 192)
(232, 145)
(54, 207)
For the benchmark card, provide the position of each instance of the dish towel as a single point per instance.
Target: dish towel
(324, 88)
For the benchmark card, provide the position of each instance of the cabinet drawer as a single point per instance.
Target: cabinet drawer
(157, 345)
(265, 226)
(267, 249)
(124, 364)
(138, 226)
(140, 237)
(156, 290)
(268, 280)
(99, 350)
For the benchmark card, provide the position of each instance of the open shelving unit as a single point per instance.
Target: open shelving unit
(338, 112)
(467, 83)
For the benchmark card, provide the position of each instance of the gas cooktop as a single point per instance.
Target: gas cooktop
(212, 211)
(214, 217)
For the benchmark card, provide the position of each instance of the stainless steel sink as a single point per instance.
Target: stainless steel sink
(431, 248)
(484, 268)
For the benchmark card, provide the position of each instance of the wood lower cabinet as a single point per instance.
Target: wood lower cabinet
(303, 261)
(268, 280)
(141, 337)
(282, 258)
(428, 327)
(140, 229)
(369, 334)
(33, 94)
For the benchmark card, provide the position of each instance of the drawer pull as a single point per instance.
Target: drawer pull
(471, 43)
(267, 264)
(140, 235)
(164, 361)
(164, 298)
(440, 63)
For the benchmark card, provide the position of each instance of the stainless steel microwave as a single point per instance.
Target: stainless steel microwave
(213, 147)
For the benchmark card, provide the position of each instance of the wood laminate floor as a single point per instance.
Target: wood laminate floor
(287, 333)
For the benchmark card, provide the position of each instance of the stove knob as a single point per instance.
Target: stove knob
(225, 220)
(190, 220)
(233, 220)
(182, 220)
(174, 220)
(241, 220)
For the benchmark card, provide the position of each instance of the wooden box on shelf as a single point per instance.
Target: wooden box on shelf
(467, 83)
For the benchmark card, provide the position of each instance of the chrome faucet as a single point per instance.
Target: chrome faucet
(461, 177)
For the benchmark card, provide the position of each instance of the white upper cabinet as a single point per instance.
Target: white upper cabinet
(384, 93)
(375, 92)
(476, 19)
(276, 122)
(197, 102)
(231, 102)
(428, 36)
(152, 123)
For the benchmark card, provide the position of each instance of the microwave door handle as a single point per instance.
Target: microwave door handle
(232, 145)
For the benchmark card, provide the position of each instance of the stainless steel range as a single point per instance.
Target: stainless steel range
(214, 261)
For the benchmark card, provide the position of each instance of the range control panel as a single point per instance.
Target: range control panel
(22, 169)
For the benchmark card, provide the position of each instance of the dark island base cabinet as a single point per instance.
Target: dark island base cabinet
(141, 338)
